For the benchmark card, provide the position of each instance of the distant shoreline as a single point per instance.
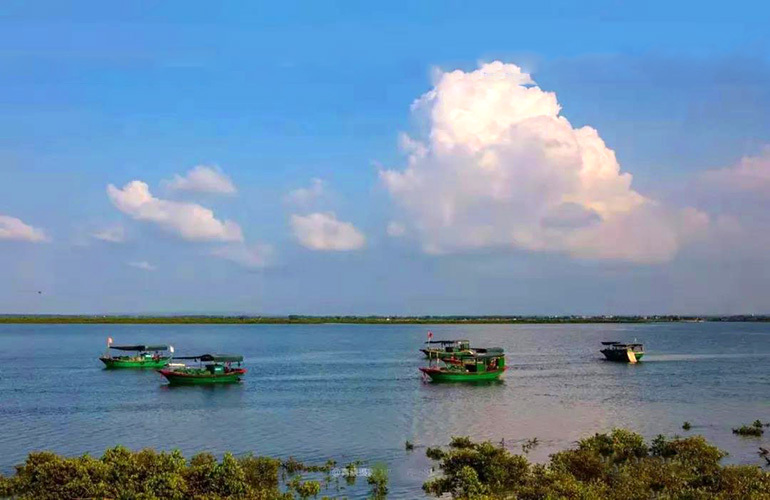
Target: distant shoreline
(365, 320)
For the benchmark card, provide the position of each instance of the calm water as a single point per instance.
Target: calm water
(352, 392)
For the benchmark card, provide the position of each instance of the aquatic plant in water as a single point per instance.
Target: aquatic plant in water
(755, 429)
(378, 479)
(529, 445)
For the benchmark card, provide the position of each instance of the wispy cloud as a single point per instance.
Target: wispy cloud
(143, 265)
(249, 256)
(112, 234)
(322, 231)
(15, 229)
(305, 196)
(203, 179)
(750, 174)
(396, 229)
(188, 220)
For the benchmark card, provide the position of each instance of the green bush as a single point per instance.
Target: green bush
(147, 474)
(616, 465)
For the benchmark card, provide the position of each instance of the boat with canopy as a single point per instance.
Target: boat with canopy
(145, 355)
(479, 366)
(626, 353)
(212, 369)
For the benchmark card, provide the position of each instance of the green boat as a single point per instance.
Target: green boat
(440, 349)
(624, 353)
(484, 366)
(146, 356)
(213, 369)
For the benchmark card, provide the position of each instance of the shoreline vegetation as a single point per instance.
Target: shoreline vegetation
(616, 465)
(366, 320)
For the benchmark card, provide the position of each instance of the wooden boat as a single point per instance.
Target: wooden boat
(440, 349)
(484, 366)
(625, 353)
(213, 369)
(146, 356)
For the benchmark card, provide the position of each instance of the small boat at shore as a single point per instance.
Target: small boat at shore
(146, 356)
(213, 369)
(621, 352)
(440, 349)
(480, 366)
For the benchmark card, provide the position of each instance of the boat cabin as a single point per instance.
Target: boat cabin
(141, 350)
(215, 363)
(621, 346)
(623, 352)
(484, 362)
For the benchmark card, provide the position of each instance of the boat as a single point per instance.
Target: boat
(480, 366)
(440, 349)
(626, 353)
(213, 369)
(146, 356)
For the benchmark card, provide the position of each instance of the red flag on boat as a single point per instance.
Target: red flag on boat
(430, 335)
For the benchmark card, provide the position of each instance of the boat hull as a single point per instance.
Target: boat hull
(178, 378)
(140, 363)
(439, 375)
(620, 356)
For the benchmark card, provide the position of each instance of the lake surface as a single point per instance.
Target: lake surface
(350, 392)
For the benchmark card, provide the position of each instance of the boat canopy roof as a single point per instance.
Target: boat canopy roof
(140, 347)
(622, 345)
(446, 342)
(215, 358)
(488, 355)
(613, 342)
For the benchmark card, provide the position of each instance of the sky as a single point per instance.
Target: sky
(391, 158)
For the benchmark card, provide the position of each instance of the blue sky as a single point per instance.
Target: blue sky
(273, 96)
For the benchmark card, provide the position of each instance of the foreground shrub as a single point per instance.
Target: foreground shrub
(121, 473)
(617, 465)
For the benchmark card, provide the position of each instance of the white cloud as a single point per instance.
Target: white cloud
(502, 167)
(15, 229)
(203, 179)
(143, 265)
(396, 229)
(188, 220)
(751, 174)
(113, 234)
(306, 196)
(322, 231)
(251, 257)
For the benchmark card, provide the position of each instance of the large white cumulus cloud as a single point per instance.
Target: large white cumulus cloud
(501, 167)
